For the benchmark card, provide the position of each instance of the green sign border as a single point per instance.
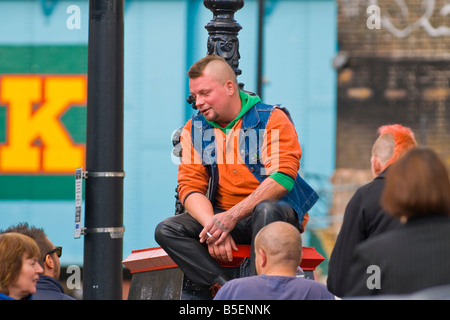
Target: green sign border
(43, 60)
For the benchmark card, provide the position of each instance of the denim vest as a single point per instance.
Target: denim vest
(301, 198)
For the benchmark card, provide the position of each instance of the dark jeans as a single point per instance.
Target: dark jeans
(179, 237)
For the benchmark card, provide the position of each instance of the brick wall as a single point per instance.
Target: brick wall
(399, 73)
(408, 27)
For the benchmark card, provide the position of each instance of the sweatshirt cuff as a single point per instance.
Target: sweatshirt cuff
(284, 180)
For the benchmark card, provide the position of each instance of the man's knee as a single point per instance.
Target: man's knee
(272, 210)
(269, 208)
(162, 231)
(178, 226)
(167, 229)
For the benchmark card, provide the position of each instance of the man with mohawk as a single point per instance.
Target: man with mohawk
(364, 217)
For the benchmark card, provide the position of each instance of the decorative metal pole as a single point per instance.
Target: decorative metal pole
(223, 31)
(259, 77)
(102, 274)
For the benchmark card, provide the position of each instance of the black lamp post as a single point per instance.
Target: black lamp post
(102, 274)
(223, 31)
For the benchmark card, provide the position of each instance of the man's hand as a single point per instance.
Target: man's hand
(223, 251)
(220, 225)
(218, 228)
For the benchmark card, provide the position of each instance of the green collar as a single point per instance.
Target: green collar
(247, 102)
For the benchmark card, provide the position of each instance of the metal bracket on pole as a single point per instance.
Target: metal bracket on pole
(103, 174)
(114, 232)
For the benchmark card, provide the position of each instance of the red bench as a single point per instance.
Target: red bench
(156, 277)
(156, 258)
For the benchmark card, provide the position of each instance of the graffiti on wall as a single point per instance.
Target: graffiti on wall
(410, 21)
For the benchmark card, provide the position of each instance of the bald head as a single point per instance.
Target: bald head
(393, 141)
(282, 244)
(383, 148)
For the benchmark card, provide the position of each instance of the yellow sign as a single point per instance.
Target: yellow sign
(36, 139)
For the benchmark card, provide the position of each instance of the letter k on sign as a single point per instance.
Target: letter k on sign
(36, 139)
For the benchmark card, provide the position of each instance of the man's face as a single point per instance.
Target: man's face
(211, 98)
(55, 271)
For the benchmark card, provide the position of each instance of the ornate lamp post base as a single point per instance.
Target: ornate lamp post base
(223, 31)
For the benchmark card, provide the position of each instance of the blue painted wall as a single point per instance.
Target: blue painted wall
(162, 39)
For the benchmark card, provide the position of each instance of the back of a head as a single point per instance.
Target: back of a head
(37, 234)
(417, 185)
(281, 241)
(393, 141)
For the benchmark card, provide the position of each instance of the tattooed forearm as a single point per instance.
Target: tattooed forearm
(268, 189)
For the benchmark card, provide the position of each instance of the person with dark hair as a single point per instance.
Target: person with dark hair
(364, 217)
(239, 172)
(19, 267)
(48, 286)
(414, 256)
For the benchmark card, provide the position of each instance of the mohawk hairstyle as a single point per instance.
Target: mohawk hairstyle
(403, 138)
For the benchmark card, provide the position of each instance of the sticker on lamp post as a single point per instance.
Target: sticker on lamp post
(78, 201)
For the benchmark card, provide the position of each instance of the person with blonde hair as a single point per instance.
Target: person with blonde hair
(364, 217)
(239, 172)
(19, 266)
(415, 256)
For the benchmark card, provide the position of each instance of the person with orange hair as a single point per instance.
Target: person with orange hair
(412, 260)
(364, 217)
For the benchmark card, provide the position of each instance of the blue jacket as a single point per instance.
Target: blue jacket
(48, 288)
(5, 297)
(301, 198)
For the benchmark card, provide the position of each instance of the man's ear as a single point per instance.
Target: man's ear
(231, 88)
(376, 166)
(263, 258)
(48, 262)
